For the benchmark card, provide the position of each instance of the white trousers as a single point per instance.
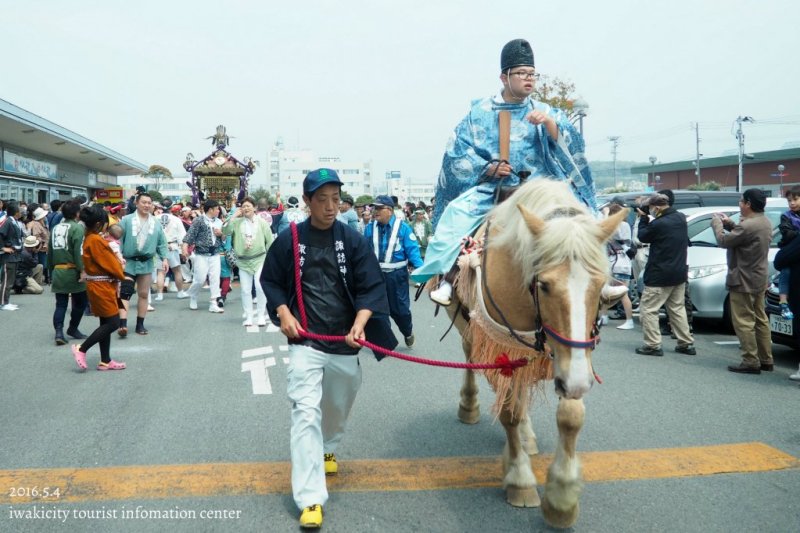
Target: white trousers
(205, 265)
(322, 388)
(246, 280)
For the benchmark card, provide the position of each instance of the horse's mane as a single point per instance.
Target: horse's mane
(571, 231)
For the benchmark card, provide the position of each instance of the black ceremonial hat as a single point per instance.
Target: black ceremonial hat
(516, 53)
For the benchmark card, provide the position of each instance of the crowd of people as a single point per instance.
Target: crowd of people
(356, 262)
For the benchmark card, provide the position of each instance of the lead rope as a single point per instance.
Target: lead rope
(502, 362)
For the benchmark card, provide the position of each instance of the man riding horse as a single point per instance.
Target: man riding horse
(540, 141)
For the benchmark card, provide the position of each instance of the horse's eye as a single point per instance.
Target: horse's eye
(543, 286)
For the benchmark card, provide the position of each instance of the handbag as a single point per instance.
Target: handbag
(230, 257)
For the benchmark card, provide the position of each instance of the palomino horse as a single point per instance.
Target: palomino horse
(542, 268)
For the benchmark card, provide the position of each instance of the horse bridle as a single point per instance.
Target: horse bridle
(541, 329)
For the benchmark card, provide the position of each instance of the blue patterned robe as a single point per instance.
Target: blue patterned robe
(462, 203)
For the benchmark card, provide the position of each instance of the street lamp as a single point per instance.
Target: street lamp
(781, 168)
(653, 160)
(740, 138)
(580, 107)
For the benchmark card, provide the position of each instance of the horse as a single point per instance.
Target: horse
(537, 278)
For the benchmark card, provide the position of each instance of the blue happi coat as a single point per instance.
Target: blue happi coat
(462, 202)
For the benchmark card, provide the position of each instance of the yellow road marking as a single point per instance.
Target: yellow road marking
(378, 475)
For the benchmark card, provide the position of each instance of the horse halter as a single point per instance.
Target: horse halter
(541, 330)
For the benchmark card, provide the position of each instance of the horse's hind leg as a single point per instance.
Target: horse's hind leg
(519, 481)
(560, 501)
(526, 434)
(469, 411)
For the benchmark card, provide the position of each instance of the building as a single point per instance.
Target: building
(760, 170)
(41, 161)
(409, 191)
(288, 168)
(176, 188)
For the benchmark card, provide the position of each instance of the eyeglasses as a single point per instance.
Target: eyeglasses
(525, 75)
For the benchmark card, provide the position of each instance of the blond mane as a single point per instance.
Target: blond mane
(571, 231)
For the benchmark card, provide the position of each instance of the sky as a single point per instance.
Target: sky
(387, 82)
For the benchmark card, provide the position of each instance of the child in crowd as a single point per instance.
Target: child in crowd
(225, 272)
(789, 228)
(113, 236)
(103, 274)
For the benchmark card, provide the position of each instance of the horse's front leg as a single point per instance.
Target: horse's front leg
(563, 487)
(469, 411)
(526, 434)
(519, 481)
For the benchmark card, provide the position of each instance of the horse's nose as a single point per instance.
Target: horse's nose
(561, 389)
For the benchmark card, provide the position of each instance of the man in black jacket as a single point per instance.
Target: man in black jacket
(665, 275)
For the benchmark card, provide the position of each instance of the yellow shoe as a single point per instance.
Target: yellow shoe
(311, 517)
(331, 466)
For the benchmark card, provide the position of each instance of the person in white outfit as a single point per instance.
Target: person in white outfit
(205, 234)
(252, 238)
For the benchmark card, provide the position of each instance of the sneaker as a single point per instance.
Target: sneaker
(443, 294)
(604, 320)
(159, 296)
(192, 302)
(220, 302)
(650, 350)
(182, 295)
(795, 376)
(247, 322)
(262, 321)
(214, 308)
(150, 307)
(786, 312)
(311, 517)
(331, 466)
(628, 324)
(410, 340)
(687, 349)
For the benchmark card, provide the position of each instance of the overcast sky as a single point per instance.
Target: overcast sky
(388, 81)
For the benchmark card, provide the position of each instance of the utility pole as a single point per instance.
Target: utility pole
(740, 138)
(697, 151)
(615, 142)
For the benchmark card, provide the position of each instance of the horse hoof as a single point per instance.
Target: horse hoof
(469, 416)
(557, 517)
(523, 497)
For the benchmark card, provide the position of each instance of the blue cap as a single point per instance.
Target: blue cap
(383, 200)
(317, 178)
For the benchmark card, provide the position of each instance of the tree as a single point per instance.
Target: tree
(556, 92)
(155, 195)
(705, 186)
(261, 192)
(158, 173)
(364, 199)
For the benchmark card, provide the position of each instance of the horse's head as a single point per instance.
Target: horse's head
(569, 271)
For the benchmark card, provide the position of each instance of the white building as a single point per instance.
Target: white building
(288, 168)
(175, 188)
(407, 190)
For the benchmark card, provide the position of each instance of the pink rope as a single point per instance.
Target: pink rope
(502, 362)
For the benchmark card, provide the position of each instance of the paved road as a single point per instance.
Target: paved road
(185, 422)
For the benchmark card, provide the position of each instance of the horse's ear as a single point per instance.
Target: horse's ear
(535, 224)
(610, 224)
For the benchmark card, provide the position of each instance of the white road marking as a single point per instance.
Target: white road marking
(254, 352)
(252, 329)
(285, 360)
(722, 343)
(272, 328)
(283, 348)
(259, 376)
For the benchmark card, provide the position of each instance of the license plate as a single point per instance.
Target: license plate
(778, 324)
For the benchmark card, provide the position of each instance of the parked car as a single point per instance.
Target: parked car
(785, 332)
(708, 266)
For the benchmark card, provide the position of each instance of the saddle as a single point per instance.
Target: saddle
(505, 191)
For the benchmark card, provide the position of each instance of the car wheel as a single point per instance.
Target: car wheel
(727, 321)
